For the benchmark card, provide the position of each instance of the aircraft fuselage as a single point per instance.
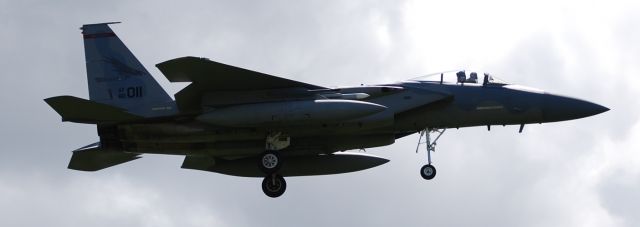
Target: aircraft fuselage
(418, 105)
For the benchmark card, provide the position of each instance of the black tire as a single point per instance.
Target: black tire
(428, 172)
(274, 185)
(270, 162)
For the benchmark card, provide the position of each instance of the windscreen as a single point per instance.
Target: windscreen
(461, 76)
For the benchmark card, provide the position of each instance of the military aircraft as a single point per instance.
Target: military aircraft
(239, 122)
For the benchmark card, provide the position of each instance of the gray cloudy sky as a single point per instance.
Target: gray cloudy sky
(577, 173)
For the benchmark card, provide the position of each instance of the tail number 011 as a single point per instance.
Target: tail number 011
(130, 92)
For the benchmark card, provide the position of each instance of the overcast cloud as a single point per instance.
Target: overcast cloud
(577, 173)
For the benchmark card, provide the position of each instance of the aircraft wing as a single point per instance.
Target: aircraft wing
(209, 76)
(222, 77)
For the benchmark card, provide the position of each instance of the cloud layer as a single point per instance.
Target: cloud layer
(577, 173)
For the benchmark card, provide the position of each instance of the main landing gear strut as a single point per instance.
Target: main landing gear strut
(273, 184)
(428, 171)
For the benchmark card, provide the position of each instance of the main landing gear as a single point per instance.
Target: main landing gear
(273, 184)
(270, 162)
(428, 171)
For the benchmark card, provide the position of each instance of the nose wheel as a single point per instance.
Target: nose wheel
(428, 171)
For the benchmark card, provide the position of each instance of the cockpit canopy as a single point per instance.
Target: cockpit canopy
(461, 77)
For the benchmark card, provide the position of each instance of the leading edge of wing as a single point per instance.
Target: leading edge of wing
(215, 76)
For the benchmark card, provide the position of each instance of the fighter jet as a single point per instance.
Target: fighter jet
(239, 122)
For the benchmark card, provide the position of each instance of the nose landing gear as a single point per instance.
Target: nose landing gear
(428, 171)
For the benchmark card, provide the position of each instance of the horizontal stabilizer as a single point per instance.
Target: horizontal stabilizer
(93, 158)
(85, 111)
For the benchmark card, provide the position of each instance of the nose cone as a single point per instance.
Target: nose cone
(561, 108)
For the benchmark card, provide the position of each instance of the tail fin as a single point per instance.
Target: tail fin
(117, 78)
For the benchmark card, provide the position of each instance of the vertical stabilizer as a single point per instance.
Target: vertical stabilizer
(117, 78)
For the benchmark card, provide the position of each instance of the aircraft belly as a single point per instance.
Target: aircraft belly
(451, 119)
(195, 132)
(455, 114)
(185, 133)
(242, 148)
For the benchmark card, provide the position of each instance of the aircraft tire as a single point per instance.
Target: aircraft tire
(274, 185)
(270, 162)
(428, 172)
